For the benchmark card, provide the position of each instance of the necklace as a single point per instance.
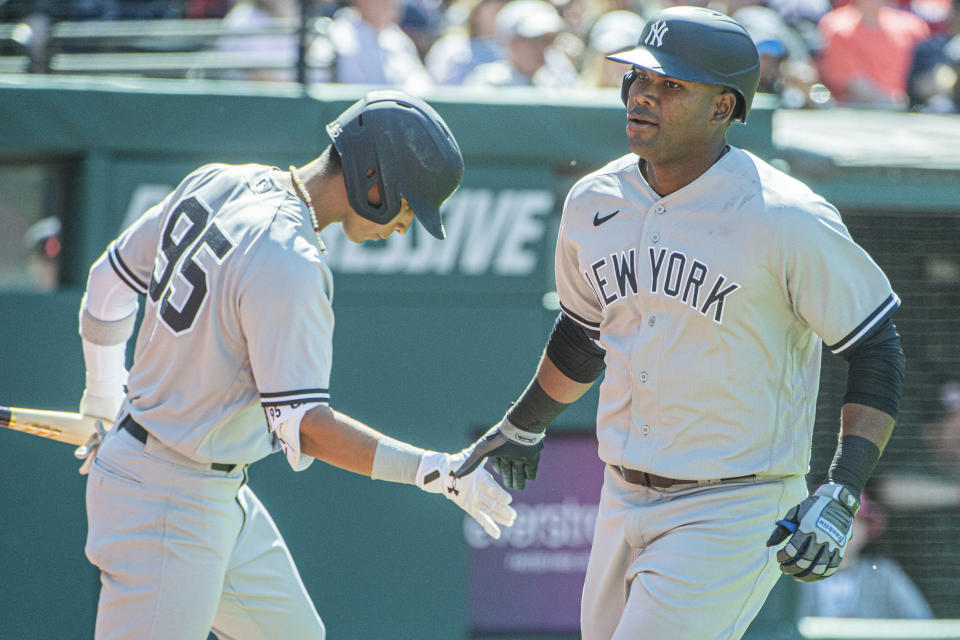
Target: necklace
(306, 198)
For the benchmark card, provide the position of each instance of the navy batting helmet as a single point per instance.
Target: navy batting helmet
(411, 149)
(697, 45)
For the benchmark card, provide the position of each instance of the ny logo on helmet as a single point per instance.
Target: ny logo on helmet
(655, 37)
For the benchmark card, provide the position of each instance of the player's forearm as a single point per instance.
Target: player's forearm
(557, 385)
(546, 397)
(871, 404)
(864, 433)
(866, 422)
(338, 439)
(568, 367)
(347, 443)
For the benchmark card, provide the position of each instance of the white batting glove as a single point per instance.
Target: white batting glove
(105, 407)
(477, 493)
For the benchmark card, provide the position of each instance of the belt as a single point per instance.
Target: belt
(132, 427)
(633, 476)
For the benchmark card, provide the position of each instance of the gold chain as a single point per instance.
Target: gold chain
(306, 198)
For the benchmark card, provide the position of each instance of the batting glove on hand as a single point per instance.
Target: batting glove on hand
(105, 407)
(820, 527)
(515, 453)
(477, 493)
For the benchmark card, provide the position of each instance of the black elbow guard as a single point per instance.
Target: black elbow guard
(875, 376)
(573, 352)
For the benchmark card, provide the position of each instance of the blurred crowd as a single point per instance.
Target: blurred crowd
(884, 54)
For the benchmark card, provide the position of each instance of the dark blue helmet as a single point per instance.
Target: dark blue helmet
(697, 45)
(411, 149)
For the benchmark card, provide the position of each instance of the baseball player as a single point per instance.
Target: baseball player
(232, 364)
(704, 281)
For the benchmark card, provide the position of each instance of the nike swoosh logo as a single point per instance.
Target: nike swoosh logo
(597, 220)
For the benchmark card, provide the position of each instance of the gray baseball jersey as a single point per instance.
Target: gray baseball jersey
(711, 303)
(238, 314)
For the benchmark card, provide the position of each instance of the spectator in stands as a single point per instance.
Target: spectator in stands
(803, 17)
(932, 82)
(123, 9)
(922, 490)
(865, 586)
(467, 43)
(276, 53)
(866, 54)
(420, 22)
(58, 10)
(526, 30)
(613, 32)
(370, 47)
(786, 67)
(935, 13)
(206, 9)
(44, 248)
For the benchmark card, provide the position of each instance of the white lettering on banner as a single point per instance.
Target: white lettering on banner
(551, 526)
(546, 561)
(487, 233)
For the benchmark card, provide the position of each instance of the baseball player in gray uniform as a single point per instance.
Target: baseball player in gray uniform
(704, 282)
(232, 364)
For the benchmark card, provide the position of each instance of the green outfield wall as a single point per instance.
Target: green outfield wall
(432, 340)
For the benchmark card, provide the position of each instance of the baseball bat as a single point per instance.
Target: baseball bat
(62, 426)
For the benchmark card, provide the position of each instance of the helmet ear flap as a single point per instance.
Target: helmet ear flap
(628, 79)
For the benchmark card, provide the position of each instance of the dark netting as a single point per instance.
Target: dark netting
(920, 252)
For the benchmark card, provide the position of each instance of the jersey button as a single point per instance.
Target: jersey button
(660, 209)
(645, 430)
(643, 376)
(652, 320)
(655, 237)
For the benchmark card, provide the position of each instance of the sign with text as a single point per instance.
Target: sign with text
(530, 579)
(489, 232)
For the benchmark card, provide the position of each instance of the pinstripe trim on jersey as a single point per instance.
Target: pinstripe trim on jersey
(879, 315)
(125, 273)
(298, 396)
(592, 328)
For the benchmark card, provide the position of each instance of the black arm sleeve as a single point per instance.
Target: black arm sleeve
(573, 352)
(875, 376)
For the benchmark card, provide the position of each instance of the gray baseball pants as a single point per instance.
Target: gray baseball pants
(686, 562)
(183, 550)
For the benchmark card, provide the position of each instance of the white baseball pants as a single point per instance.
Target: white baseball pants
(685, 562)
(184, 550)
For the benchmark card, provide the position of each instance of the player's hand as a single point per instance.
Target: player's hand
(105, 407)
(818, 528)
(515, 453)
(477, 493)
(88, 450)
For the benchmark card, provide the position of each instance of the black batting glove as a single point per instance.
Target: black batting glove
(818, 529)
(515, 453)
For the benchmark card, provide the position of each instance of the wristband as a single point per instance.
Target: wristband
(518, 435)
(534, 410)
(396, 461)
(106, 333)
(853, 462)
